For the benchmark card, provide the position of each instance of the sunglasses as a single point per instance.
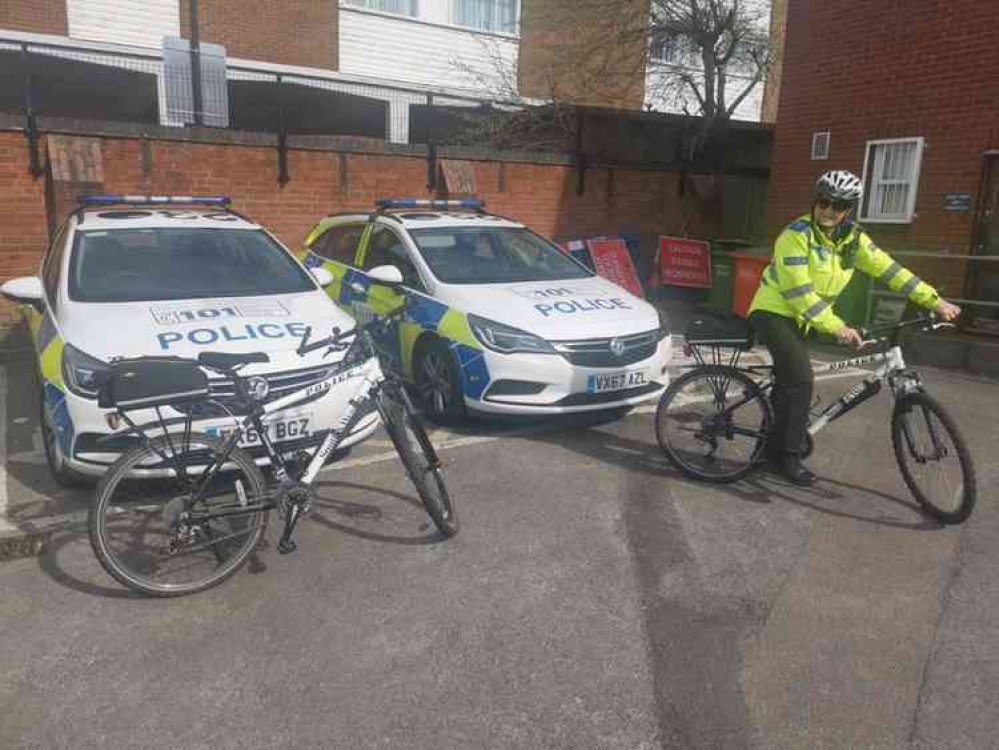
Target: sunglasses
(838, 206)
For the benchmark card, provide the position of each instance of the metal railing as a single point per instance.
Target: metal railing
(79, 82)
(875, 294)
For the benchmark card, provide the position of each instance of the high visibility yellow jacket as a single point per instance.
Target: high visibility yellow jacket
(809, 270)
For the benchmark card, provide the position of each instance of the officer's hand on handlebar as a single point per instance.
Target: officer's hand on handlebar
(947, 310)
(849, 337)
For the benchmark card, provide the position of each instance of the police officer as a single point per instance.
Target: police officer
(814, 259)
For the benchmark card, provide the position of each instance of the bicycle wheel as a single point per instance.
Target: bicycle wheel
(418, 456)
(152, 537)
(712, 423)
(933, 458)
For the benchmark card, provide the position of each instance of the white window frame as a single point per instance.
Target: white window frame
(453, 20)
(823, 137)
(871, 179)
(364, 6)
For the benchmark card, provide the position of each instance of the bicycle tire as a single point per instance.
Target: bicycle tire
(419, 459)
(920, 404)
(701, 386)
(156, 505)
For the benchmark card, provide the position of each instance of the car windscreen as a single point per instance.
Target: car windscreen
(493, 255)
(138, 265)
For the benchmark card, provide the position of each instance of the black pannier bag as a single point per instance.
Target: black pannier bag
(145, 382)
(719, 330)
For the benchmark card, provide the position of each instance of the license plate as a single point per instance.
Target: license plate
(278, 430)
(616, 381)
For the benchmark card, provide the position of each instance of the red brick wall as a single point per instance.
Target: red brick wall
(292, 32)
(872, 69)
(22, 214)
(543, 196)
(38, 16)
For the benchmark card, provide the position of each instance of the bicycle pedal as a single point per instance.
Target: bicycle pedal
(287, 547)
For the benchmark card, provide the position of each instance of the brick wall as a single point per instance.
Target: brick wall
(292, 32)
(872, 69)
(587, 51)
(37, 16)
(22, 214)
(644, 203)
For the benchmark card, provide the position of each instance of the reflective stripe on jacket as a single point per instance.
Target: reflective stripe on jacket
(809, 270)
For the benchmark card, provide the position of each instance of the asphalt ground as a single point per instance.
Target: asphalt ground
(594, 598)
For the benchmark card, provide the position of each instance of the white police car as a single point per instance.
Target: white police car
(129, 276)
(500, 320)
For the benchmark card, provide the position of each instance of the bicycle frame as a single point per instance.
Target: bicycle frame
(371, 376)
(893, 363)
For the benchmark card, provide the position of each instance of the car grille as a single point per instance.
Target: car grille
(597, 352)
(223, 392)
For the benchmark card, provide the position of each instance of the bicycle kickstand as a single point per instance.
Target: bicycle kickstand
(286, 545)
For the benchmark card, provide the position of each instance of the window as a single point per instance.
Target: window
(135, 265)
(663, 46)
(51, 268)
(493, 256)
(386, 249)
(402, 7)
(891, 178)
(339, 243)
(820, 145)
(487, 15)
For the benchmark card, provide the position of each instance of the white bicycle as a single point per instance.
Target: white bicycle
(199, 517)
(713, 421)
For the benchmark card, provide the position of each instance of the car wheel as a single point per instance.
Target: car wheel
(61, 473)
(438, 383)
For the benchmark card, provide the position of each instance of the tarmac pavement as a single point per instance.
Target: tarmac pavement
(594, 598)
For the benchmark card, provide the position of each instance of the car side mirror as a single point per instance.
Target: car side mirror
(389, 276)
(322, 276)
(26, 290)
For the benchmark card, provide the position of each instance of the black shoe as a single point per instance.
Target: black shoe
(795, 472)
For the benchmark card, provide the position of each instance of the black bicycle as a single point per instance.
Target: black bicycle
(713, 421)
(184, 510)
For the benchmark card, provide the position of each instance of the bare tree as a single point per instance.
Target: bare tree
(712, 53)
(698, 57)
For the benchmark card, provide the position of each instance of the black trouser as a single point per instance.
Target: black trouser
(792, 395)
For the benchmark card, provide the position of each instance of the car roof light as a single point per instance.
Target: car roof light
(155, 200)
(473, 203)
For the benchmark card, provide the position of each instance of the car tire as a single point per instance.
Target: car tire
(438, 383)
(61, 473)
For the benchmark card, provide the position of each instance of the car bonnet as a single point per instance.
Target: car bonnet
(272, 324)
(557, 310)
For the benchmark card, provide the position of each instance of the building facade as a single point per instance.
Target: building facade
(396, 51)
(904, 95)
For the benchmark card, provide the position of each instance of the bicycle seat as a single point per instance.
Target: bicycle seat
(720, 330)
(223, 361)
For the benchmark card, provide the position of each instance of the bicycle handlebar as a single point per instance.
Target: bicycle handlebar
(929, 322)
(339, 341)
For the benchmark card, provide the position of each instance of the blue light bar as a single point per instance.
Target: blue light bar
(429, 203)
(155, 200)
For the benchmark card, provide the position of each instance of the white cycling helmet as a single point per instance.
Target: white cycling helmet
(839, 185)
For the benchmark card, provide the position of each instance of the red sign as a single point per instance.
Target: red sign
(612, 261)
(684, 262)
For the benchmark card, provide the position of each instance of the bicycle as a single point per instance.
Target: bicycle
(712, 422)
(180, 513)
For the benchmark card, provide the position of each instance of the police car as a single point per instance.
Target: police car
(499, 319)
(130, 276)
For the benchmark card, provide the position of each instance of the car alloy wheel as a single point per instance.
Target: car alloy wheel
(437, 383)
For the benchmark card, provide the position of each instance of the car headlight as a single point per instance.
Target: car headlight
(81, 372)
(663, 324)
(507, 339)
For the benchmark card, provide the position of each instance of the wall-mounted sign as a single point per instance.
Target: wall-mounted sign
(957, 202)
